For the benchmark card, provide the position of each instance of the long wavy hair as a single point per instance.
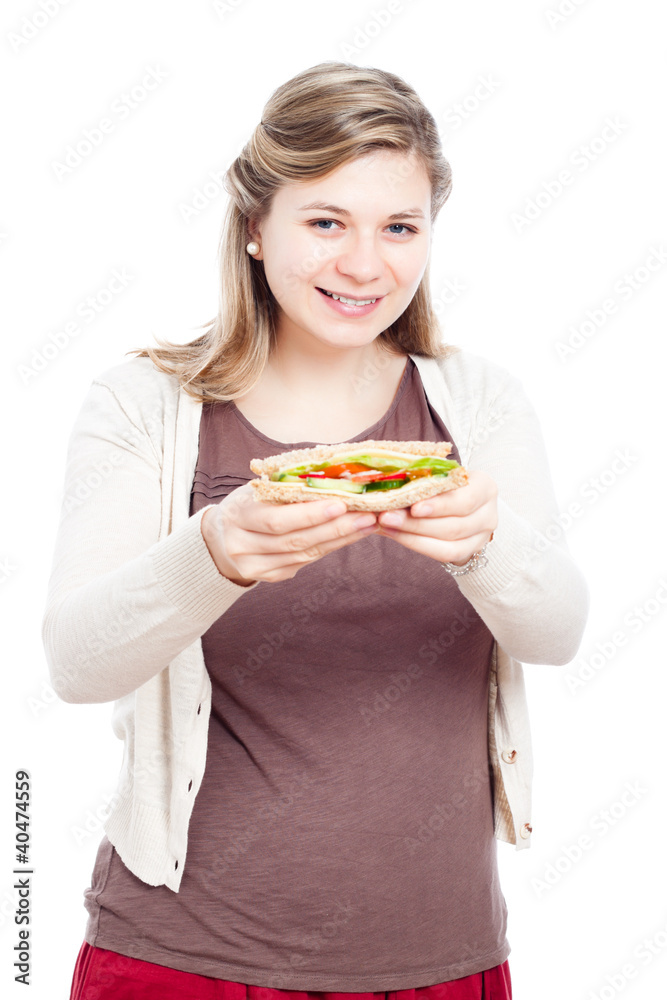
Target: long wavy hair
(317, 121)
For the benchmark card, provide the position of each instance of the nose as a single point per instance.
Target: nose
(361, 259)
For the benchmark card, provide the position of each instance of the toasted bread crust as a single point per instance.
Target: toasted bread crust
(403, 496)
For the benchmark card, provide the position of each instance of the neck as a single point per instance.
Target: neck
(311, 370)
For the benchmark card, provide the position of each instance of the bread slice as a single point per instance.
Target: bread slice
(403, 496)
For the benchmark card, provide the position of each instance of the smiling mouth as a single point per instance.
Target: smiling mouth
(348, 300)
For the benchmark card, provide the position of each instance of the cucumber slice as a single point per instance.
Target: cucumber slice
(386, 484)
(334, 484)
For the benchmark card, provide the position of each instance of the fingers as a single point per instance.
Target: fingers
(304, 544)
(273, 529)
(457, 514)
(280, 565)
(460, 502)
(279, 519)
(449, 528)
(443, 550)
(270, 542)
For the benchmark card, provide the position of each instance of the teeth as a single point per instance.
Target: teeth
(349, 302)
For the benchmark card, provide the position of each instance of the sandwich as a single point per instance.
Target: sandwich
(367, 475)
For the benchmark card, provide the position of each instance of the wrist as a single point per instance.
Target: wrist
(210, 538)
(473, 562)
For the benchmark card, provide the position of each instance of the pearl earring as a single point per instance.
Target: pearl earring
(253, 248)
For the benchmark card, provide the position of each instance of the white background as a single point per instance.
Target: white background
(553, 81)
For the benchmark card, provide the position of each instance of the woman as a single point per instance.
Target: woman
(323, 712)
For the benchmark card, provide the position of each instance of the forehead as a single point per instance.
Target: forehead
(380, 180)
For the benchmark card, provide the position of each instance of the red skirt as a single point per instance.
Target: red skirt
(100, 974)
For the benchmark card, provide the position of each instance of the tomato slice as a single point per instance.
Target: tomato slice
(367, 476)
(335, 471)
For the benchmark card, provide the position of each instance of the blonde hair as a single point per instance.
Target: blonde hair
(320, 119)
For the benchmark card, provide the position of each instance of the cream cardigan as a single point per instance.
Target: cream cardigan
(133, 588)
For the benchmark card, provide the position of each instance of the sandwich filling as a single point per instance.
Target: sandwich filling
(365, 472)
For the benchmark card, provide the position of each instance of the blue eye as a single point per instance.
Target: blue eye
(327, 226)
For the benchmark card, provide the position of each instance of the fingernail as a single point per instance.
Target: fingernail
(392, 519)
(336, 508)
(424, 509)
(364, 521)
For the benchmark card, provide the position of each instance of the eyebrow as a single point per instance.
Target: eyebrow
(409, 213)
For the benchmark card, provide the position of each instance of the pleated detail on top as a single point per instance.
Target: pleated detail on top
(215, 488)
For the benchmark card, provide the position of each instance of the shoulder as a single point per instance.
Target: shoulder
(142, 391)
(137, 375)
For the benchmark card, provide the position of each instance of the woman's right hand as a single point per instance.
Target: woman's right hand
(252, 540)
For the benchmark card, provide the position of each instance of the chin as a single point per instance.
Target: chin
(344, 338)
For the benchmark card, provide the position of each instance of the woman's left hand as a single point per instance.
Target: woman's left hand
(456, 526)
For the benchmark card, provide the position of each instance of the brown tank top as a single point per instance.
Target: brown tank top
(342, 838)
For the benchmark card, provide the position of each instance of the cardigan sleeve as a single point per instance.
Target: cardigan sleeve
(531, 594)
(121, 602)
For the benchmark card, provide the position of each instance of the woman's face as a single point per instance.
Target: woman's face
(362, 232)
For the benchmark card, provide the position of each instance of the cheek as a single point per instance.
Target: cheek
(292, 267)
(409, 269)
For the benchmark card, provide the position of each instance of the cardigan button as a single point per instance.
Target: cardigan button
(175, 864)
(509, 756)
(199, 710)
(526, 831)
(190, 784)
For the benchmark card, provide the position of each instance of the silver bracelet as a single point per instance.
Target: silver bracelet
(476, 560)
